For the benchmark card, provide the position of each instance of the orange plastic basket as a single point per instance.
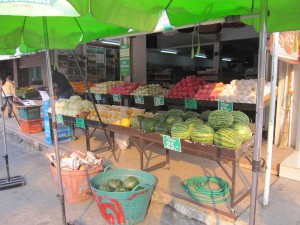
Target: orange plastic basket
(31, 126)
(76, 183)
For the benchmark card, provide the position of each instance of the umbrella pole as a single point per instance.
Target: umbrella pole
(8, 182)
(95, 108)
(271, 118)
(60, 196)
(259, 107)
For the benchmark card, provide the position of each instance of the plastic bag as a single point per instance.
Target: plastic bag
(122, 140)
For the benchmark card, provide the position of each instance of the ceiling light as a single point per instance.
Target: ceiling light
(169, 51)
(110, 42)
(201, 56)
(226, 59)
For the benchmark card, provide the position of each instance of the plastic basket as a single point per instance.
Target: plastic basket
(76, 182)
(31, 126)
(127, 208)
(30, 112)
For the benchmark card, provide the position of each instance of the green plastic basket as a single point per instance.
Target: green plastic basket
(29, 113)
(127, 208)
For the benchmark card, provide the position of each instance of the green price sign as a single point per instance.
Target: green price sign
(59, 118)
(80, 122)
(160, 100)
(98, 97)
(190, 104)
(116, 98)
(172, 143)
(139, 99)
(226, 106)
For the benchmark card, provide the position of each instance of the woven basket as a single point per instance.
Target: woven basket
(123, 207)
(76, 182)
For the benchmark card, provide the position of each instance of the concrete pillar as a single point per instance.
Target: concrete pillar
(217, 59)
(139, 59)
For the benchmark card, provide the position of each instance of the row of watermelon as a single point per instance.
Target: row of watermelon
(224, 129)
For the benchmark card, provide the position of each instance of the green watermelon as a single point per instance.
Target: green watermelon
(243, 130)
(203, 134)
(240, 117)
(193, 122)
(162, 128)
(191, 114)
(104, 187)
(181, 130)
(130, 182)
(174, 119)
(204, 115)
(148, 124)
(220, 119)
(136, 121)
(227, 138)
(175, 112)
(160, 117)
(114, 183)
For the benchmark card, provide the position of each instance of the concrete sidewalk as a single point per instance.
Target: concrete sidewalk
(35, 197)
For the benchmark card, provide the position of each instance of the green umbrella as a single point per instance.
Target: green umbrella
(144, 14)
(49, 24)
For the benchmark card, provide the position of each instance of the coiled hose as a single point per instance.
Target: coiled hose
(198, 189)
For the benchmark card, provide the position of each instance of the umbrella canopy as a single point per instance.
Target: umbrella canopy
(23, 29)
(144, 14)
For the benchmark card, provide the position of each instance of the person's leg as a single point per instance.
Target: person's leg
(4, 102)
(9, 101)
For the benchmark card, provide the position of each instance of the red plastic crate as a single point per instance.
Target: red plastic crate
(31, 126)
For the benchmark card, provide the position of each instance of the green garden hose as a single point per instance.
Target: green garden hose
(198, 189)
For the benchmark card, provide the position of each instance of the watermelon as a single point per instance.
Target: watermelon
(148, 124)
(181, 130)
(175, 112)
(204, 115)
(162, 128)
(240, 117)
(191, 114)
(160, 117)
(174, 119)
(136, 121)
(227, 138)
(104, 187)
(220, 119)
(243, 130)
(203, 134)
(130, 182)
(193, 122)
(114, 184)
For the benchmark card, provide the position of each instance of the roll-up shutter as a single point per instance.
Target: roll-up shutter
(34, 60)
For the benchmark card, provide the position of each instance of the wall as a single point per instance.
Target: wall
(169, 59)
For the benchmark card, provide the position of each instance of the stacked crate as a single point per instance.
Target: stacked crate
(30, 119)
(64, 131)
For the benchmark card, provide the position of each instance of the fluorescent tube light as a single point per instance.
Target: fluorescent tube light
(226, 59)
(169, 51)
(201, 56)
(110, 42)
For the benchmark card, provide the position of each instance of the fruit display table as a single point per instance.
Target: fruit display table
(144, 141)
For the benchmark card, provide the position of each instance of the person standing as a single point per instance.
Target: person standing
(8, 93)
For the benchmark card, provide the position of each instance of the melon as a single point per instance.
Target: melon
(240, 117)
(136, 121)
(191, 114)
(159, 117)
(220, 119)
(227, 138)
(181, 130)
(193, 122)
(203, 134)
(148, 124)
(162, 128)
(204, 115)
(243, 130)
(175, 112)
(173, 119)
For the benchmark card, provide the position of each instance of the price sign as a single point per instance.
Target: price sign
(226, 106)
(139, 99)
(116, 98)
(80, 122)
(190, 104)
(160, 100)
(98, 97)
(172, 143)
(59, 118)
